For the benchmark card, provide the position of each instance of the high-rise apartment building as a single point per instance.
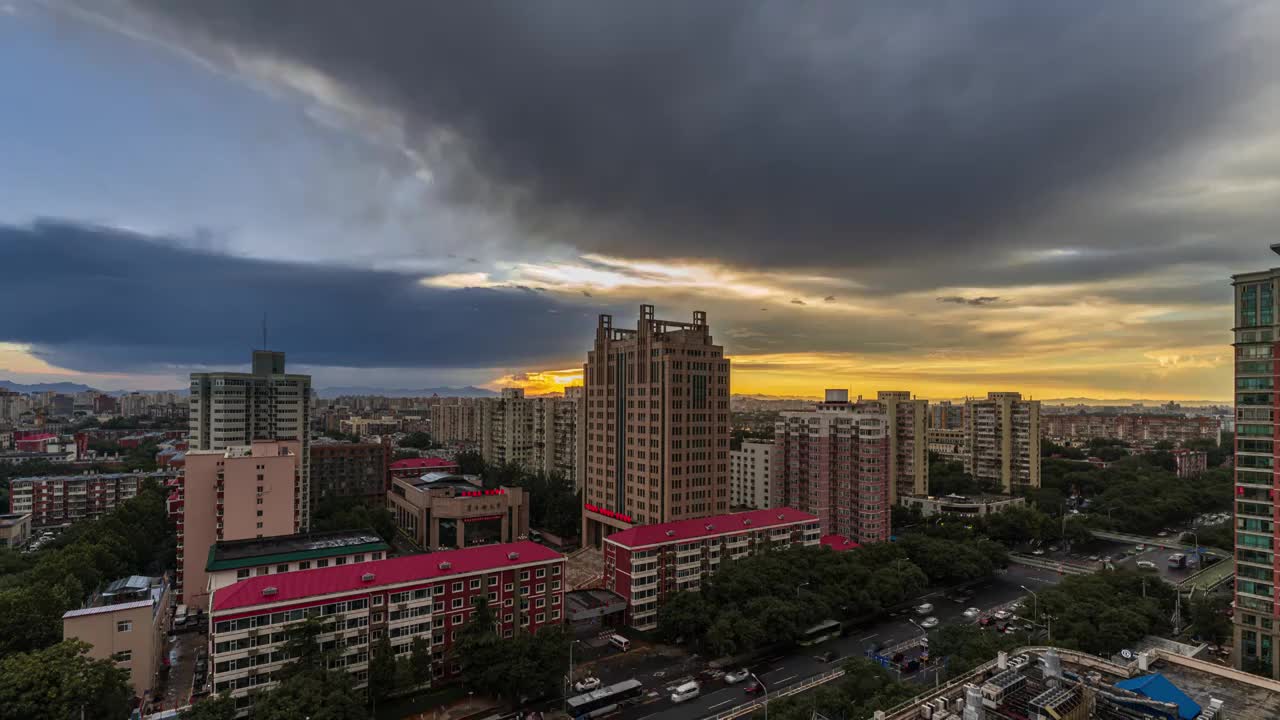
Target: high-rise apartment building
(908, 443)
(235, 409)
(563, 447)
(237, 493)
(456, 420)
(657, 425)
(834, 462)
(356, 471)
(944, 415)
(1257, 614)
(751, 475)
(539, 433)
(1003, 433)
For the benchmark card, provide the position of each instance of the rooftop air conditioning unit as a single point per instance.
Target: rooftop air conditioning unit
(367, 577)
(270, 590)
(445, 565)
(746, 521)
(671, 533)
(513, 556)
(709, 526)
(780, 516)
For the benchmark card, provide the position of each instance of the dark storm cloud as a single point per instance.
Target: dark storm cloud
(768, 132)
(100, 299)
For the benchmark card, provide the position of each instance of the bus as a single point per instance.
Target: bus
(821, 632)
(601, 701)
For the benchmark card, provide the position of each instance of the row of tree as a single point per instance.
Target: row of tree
(555, 505)
(865, 688)
(774, 597)
(37, 588)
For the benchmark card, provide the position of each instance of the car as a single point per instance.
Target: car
(733, 677)
(971, 613)
(829, 656)
(1139, 548)
(587, 684)
(753, 687)
(1146, 565)
(1094, 558)
(1162, 533)
(1053, 548)
(1002, 614)
(929, 622)
(984, 622)
(924, 609)
(1038, 551)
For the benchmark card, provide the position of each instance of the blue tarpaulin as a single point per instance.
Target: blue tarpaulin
(1158, 687)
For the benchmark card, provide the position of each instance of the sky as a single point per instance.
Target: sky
(988, 195)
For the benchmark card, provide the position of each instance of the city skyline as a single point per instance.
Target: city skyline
(1066, 241)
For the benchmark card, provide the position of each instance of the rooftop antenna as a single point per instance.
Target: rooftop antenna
(264, 331)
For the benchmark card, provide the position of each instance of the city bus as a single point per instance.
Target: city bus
(602, 701)
(821, 632)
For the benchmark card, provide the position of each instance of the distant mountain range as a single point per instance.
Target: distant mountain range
(58, 387)
(468, 391)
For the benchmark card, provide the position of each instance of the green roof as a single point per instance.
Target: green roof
(220, 558)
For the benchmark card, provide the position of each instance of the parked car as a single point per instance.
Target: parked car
(1002, 614)
(1094, 558)
(1146, 565)
(733, 677)
(929, 622)
(971, 613)
(1162, 533)
(587, 684)
(1038, 551)
(924, 609)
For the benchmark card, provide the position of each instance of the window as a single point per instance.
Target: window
(259, 526)
(377, 600)
(457, 603)
(359, 558)
(282, 568)
(457, 587)
(542, 572)
(524, 575)
(457, 619)
(124, 626)
(123, 656)
(323, 562)
(262, 570)
(542, 587)
(555, 614)
(542, 617)
(304, 565)
(242, 573)
(507, 587)
(340, 561)
(493, 597)
(493, 581)
(475, 583)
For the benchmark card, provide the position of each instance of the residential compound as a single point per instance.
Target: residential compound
(239, 492)
(538, 433)
(1142, 429)
(126, 623)
(751, 475)
(355, 471)
(456, 420)
(837, 463)
(237, 409)
(1257, 614)
(647, 564)
(657, 425)
(1003, 438)
(64, 499)
(430, 596)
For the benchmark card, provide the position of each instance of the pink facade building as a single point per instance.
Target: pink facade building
(835, 462)
(647, 564)
(237, 493)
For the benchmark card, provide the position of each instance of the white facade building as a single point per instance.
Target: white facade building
(751, 475)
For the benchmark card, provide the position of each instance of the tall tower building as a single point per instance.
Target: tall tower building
(1003, 433)
(1257, 614)
(657, 425)
(234, 409)
(541, 434)
(908, 443)
(834, 462)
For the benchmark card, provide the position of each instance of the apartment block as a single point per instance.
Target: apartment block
(441, 511)
(231, 561)
(1142, 429)
(564, 448)
(1003, 434)
(908, 443)
(431, 596)
(950, 444)
(456, 420)
(834, 463)
(647, 564)
(945, 415)
(355, 471)
(540, 434)
(64, 499)
(237, 409)
(1190, 463)
(126, 623)
(1257, 347)
(751, 475)
(237, 493)
(657, 425)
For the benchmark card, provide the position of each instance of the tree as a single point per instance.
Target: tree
(217, 707)
(1107, 611)
(311, 695)
(1209, 616)
(339, 513)
(382, 669)
(420, 660)
(418, 440)
(479, 651)
(62, 681)
(303, 646)
(967, 646)
(470, 462)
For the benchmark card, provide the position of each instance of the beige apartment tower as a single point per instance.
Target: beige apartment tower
(908, 443)
(541, 434)
(1003, 434)
(657, 425)
(456, 420)
(236, 409)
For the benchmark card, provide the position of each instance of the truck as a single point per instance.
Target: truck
(1178, 561)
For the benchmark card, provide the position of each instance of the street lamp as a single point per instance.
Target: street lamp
(1035, 600)
(803, 584)
(923, 632)
(765, 690)
(568, 679)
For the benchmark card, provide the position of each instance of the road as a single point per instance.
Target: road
(1157, 550)
(782, 671)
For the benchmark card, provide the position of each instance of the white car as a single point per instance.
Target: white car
(734, 677)
(924, 609)
(971, 613)
(1146, 565)
(929, 623)
(1002, 614)
(586, 684)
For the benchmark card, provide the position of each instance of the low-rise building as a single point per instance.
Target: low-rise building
(231, 561)
(1190, 463)
(64, 499)
(1142, 429)
(126, 623)
(431, 596)
(15, 529)
(646, 564)
(751, 475)
(968, 506)
(440, 510)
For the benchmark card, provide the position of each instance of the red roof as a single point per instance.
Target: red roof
(343, 578)
(422, 463)
(685, 530)
(839, 543)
